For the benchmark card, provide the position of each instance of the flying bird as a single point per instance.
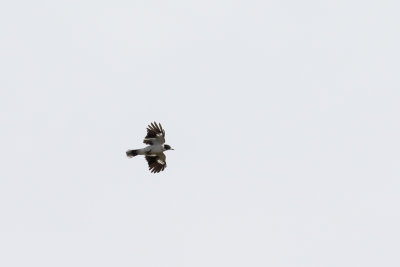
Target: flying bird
(154, 152)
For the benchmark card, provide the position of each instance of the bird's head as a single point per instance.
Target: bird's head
(168, 147)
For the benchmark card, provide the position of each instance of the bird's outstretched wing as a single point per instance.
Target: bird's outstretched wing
(156, 162)
(155, 134)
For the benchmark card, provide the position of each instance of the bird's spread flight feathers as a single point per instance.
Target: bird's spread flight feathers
(155, 134)
(156, 162)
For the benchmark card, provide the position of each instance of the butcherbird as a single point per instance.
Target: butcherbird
(154, 152)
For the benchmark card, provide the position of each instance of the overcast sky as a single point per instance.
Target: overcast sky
(284, 116)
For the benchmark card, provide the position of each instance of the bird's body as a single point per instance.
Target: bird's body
(154, 152)
(148, 150)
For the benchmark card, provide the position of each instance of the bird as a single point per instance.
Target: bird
(154, 152)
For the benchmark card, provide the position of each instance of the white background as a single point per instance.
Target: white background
(284, 116)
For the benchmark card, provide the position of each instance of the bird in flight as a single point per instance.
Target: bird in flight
(154, 152)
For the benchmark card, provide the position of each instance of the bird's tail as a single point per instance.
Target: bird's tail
(131, 153)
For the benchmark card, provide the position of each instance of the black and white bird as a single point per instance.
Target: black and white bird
(154, 152)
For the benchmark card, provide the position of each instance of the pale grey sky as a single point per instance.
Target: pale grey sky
(284, 116)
